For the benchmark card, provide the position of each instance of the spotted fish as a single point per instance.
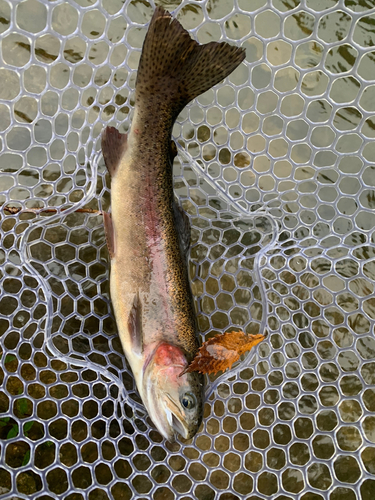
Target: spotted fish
(148, 234)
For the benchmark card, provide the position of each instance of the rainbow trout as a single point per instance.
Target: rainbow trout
(148, 235)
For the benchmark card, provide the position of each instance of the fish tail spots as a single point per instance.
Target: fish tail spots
(176, 68)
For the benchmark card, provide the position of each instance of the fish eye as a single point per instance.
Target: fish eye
(188, 401)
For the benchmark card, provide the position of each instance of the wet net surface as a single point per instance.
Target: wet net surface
(275, 170)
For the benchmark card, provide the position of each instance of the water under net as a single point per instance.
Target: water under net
(276, 170)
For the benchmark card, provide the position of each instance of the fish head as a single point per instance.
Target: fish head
(173, 401)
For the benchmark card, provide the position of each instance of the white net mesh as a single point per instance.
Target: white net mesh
(276, 171)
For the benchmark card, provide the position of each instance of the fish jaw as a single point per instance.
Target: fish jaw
(164, 393)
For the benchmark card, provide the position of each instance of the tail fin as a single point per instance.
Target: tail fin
(178, 68)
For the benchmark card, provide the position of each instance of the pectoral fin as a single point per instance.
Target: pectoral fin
(135, 325)
(113, 147)
(109, 234)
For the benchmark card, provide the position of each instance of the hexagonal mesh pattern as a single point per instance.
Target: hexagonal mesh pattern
(275, 170)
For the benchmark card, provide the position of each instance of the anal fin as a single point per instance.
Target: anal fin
(109, 233)
(135, 325)
(113, 147)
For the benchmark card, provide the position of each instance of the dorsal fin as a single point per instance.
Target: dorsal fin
(183, 228)
(172, 150)
(113, 148)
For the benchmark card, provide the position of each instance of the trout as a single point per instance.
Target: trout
(148, 235)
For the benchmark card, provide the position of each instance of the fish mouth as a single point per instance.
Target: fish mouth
(159, 393)
(175, 418)
(166, 415)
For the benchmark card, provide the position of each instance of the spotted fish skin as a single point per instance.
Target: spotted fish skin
(146, 232)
